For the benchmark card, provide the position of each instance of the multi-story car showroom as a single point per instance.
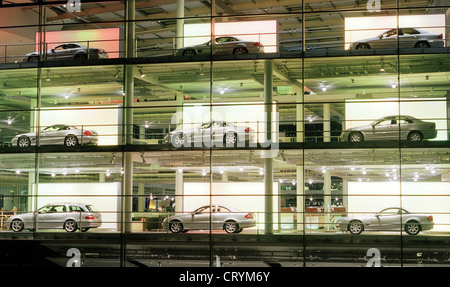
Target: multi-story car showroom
(225, 133)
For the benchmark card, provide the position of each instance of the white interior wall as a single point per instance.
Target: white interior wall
(418, 197)
(363, 112)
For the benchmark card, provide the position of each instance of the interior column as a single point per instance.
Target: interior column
(268, 160)
(326, 123)
(179, 191)
(300, 186)
(180, 24)
(327, 199)
(128, 125)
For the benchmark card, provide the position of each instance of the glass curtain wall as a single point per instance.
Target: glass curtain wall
(231, 122)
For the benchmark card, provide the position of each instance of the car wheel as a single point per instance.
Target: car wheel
(176, 226)
(230, 139)
(70, 226)
(415, 137)
(33, 59)
(17, 225)
(362, 46)
(189, 52)
(355, 227)
(240, 51)
(178, 140)
(70, 141)
(80, 57)
(231, 227)
(23, 142)
(412, 227)
(422, 45)
(355, 137)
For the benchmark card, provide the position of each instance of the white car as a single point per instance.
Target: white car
(392, 218)
(57, 135)
(223, 217)
(404, 37)
(219, 133)
(67, 216)
(223, 46)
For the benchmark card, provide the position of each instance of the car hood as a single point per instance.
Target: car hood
(367, 40)
(32, 134)
(360, 128)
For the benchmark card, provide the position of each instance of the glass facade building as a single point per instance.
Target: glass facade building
(226, 132)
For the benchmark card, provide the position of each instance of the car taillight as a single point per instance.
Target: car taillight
(257, 44)
(249, 216)
(87, 133)
(89, 217)
(430, 218)
(440, 37)
(98, 51)
(247, 130)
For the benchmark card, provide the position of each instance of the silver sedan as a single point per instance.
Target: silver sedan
(223, 46)
(221, 217)
(68, 51)
(403, 38)
(67, 216)
(392, 128)
(57, 135)
(388, 219)
(220, 134)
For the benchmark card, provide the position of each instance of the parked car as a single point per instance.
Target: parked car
(392, 128)
(223, 45)
(57, 135)
(392, 218)
(404, 38)
(67, 216)
(68, 51)
(220, 133)
(223, 218)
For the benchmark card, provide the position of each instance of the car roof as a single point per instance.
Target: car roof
(65, 203)
(222, 205)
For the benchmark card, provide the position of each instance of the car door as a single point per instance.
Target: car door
(224, 45)
(51, 135)
(60, 52)
(389, 219)
(386, 129)
(386, 40)
(407, 37)
(52, 218)
(201, 218)
(220, 214)
(404, 127)
(218, 131)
